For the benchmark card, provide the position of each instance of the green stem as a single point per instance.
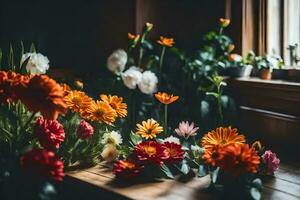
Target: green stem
(141, 51)
(161, 61)
(220, 106)
(166, 120)
(28, 122)
(221, 31)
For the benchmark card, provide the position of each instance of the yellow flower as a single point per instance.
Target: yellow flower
(222, 137)
(100, 111)
(167, 42)
(148, 129)
(77, 100)
(224, 22)
(116, 103)
(257, 145)
(166, 98)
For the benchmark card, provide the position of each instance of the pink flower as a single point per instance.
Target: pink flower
(50, 133)
(271, 162)
(186, 130)
(84, 130)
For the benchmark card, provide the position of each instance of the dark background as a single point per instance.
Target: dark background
(79, 35)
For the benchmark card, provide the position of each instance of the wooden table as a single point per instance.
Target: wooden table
(98, 183)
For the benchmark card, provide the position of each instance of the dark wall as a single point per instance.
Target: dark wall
(81, 34)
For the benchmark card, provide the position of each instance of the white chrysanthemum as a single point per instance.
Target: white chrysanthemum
(109, 153)
(116, 61)
(148, 83)
(37, 63)
(112, 137)
(172, 139)
(132, 77)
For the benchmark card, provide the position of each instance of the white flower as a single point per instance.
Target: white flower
(148, 83)
(186, 129)
(37, 63)
(172, 139)
(112, 137)
(197, 149)
(131, 77)
(116, 61)
(109, 153)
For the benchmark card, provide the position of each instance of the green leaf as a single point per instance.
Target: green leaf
(255, 193)
(11, 57)
(167, 171)
(21, 53)
(257, 183)
(32, 48)
(135, 138)
(202, 171)
(147, 45)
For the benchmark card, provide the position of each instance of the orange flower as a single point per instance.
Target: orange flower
(133, 38)
(77, 101)
(224, 22)
(222, 137)
(239, 159)
(45, 95)
(116, 103)
(165, 98)
(9, 82)
(100, 111)
(149, 129)
(214, 155)
(168, 42)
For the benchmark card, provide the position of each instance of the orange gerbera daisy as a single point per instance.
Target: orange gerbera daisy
(116, 103)
(77, 100)
(224, 22)
(221, 136)
(149, 129)
(167, 42)
(239, 159)
(100, 111)
(166, 98)
(45, 95)
(214, 155)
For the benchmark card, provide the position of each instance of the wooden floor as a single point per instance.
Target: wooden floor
(284, 186)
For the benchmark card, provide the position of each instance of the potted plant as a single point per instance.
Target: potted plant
(266, 65)
(237, 66)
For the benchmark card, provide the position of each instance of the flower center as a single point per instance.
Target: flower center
(172, 152)
(98, 113)
(129, 165)
(76, 100)
(150, 150)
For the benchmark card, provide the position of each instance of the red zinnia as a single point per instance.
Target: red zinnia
(239, 159)
(50, 133)
(151, 151)
(84, 130)
(43, 164)
(174, 152)
(127, 168)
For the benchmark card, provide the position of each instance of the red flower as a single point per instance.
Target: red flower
(42, 164)
(84, 130)
(50, 133)
(127, 168)
(174, 152)
(151, 151)
(239, 159)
